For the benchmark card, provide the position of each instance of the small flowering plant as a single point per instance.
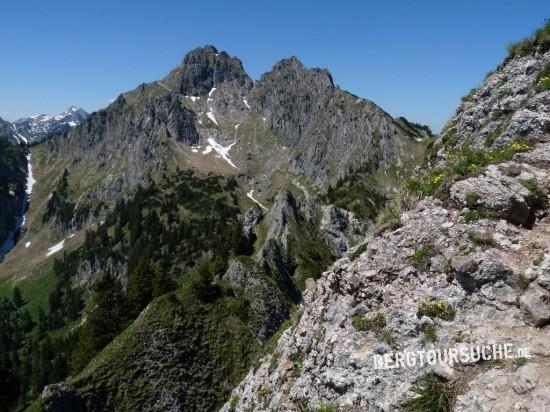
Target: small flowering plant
(435, 308)
(543, 83)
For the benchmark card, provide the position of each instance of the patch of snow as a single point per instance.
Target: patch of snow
(193, 98)
(210, 115)
(223, 151)
(246, 104)
(251, 197)
(207, 150)
(56, 248)
(27, 244)
(237, 126)
(30, 178)
(23, 138)
(211, 91)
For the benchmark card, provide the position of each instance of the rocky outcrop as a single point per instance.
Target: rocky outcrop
(339, 227)
(268, 305)
(505, 107)
(503, 188)
(61, 397)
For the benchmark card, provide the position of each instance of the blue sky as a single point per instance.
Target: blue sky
(413, 58)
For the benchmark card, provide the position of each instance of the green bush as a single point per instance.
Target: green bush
(432, 394)
(362, 323)
(436, 309)
(234, 402)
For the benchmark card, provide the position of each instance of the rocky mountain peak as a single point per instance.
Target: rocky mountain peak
(204, 68)
(292, 67)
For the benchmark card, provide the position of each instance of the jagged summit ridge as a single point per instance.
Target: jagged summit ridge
(205, 68)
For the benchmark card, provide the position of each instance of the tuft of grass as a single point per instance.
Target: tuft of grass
(357, 252)
(462, 162)
(385, 335)
(430, 333)
(537, 43)
(422, 257)
(436, 309)
(537, 197)
(470, 96)
(327, 407)
(297, 360)
(481, 213)
(233, 403)
(389, 217)
(375, 323)
(519, 362)
(484, 240)
(522, 282)
(431, 394)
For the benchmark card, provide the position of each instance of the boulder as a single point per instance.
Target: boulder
(535, 306)
(472, 273)
(497, 191)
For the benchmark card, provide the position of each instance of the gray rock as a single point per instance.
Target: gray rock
(473, 273)
(250, 219)
(497, 191)
(382, 347)
(535, 306)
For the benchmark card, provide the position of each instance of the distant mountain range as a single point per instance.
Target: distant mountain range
(36, 128)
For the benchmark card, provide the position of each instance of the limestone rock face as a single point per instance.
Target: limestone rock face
(505, 107)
